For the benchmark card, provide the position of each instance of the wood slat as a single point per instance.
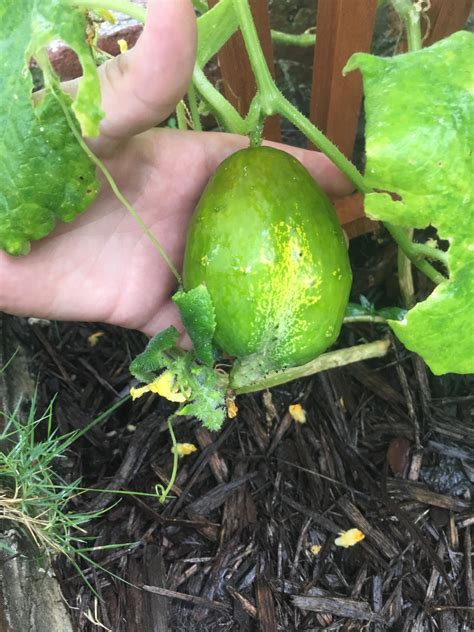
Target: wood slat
(350, 211)
(445, 17)
(343, 27)
(236, 72)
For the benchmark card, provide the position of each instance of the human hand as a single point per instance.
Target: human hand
(102, 267)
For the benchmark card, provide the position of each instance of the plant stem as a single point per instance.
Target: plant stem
(181, 116)
(174, 471)
(193, 108)
(288, 110)
(324, 362)
(293, 39)
(122, 6)
(410, 17)
(405, 275)
(365, 319)
(425, 251)
(410, 250)
(411, 20)
(265, 84)
(224, 112)
(273, 102)
(201, 6)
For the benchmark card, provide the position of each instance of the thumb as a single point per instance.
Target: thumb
(141, 87)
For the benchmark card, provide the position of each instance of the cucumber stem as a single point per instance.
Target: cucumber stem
(326, 361)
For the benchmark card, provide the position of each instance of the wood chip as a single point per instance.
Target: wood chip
(348, 608)
(420, 492)
(202, 602)
(265, 607)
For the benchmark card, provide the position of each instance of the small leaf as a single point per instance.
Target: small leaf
(208, 394)
(153, 359)
(197, 313)
(368, 309)
(200, 388)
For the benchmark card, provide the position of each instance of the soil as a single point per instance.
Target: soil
(247, 539)
(387, 448)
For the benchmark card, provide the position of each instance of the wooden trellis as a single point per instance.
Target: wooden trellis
(343, 27)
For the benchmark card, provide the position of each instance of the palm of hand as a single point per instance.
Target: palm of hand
(102, 267)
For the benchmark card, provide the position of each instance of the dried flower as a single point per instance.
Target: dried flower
(93, 339)
(297, 413)
(183, 449)
(349, 538)
(123, 45)
(164, 385)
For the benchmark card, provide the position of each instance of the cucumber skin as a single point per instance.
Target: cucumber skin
(267, 243)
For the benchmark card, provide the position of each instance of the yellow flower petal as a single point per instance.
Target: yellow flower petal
(93, 339)
(298, 413)
(315, 549)
(123, 45)
(164, 385)
(183, 449)
(232, 409)
(349, 538)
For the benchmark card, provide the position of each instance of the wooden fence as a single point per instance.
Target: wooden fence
(343, 27)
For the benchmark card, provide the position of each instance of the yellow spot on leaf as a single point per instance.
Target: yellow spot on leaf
(315, 549)
(123, 45)
(164, 385)
(183, 449)
(349, 538)
(298, 413)
(93, 339)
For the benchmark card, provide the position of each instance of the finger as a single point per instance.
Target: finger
(141, 87)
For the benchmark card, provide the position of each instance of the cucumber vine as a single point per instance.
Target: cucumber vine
(419, 142)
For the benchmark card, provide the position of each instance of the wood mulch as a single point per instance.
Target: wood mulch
(387, 448)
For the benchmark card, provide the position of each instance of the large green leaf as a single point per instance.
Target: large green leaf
(419, 142)
(44, 173)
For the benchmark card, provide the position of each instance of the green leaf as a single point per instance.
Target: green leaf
(208, 393)
(44, 173)
(154, 359)
(203, 387)
(419, 142)
(198, 316)
(365, 308)
(440, 329)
